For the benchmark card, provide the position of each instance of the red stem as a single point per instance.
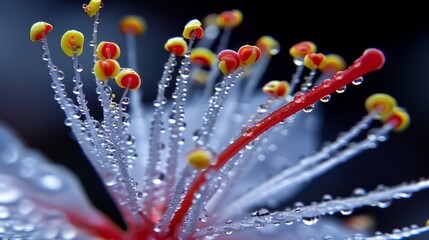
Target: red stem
(372, 59)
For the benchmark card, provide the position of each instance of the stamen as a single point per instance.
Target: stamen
(298, 52)
(372, 59)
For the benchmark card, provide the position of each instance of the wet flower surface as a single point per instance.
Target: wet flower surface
(212, 156)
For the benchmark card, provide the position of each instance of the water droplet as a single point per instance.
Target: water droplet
(346, 211)
(227, 230)
(326, 98)
(8, 194)
(310, 220)
(25, 206)
(328, 237)
(139, 194)
(68, 122)
(384, 203)
(247, 131)
(262, 212)
(45, 57)
(308, 109)
(51, 182)
(259, 224)
(341, 89)
(110, 179)
(60, 75)
(326, 198)
(298, 61)
(78, 68)
(358, 192)
(185, 72)
(357, 81)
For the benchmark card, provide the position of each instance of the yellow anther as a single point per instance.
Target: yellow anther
(106, 50)
(105, 69)
(193, 27)
(199, 159)
(92, 7)
(268, 45)
(230, 19)
(71, 41)
(176, 45)
(39, 30)
(132, 24)
(399, 118)
(381, 102)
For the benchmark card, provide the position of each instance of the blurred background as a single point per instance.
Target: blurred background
(400, 30)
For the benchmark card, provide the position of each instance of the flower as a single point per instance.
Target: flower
(159, 195)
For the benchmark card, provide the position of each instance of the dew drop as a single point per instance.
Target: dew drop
(326, 98)
(139, 194)
(68, 122)
(341, 89)
(298, 61)
(259, 224)
(384, 203)
(45, 57)
(8, 194)
(346, 211)
(78, 68)
(110, 179)
(308, 109)
(247, 131)
(60, 75)
(357, 81)
(262, 212)
(359, 192)
(227, 230)
(310, 220)
(51, 182)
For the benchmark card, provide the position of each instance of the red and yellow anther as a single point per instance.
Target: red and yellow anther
(334, 63)
(314, 60)
(229, 61)
(108, 50)
(193, 27)
(128, 78)
(92, 7)
(268, 45)
(249, 54)
(132, 24)
(399, 118)
(105, 69)
(388, 110)
(39, 30)
(381, 102)
(202, 56)
(176, 45)
(276, 88)
(230, 19)
(200, 159)
(301, 49)
(71, 41)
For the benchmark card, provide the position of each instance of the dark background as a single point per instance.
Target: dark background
(400, 30)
